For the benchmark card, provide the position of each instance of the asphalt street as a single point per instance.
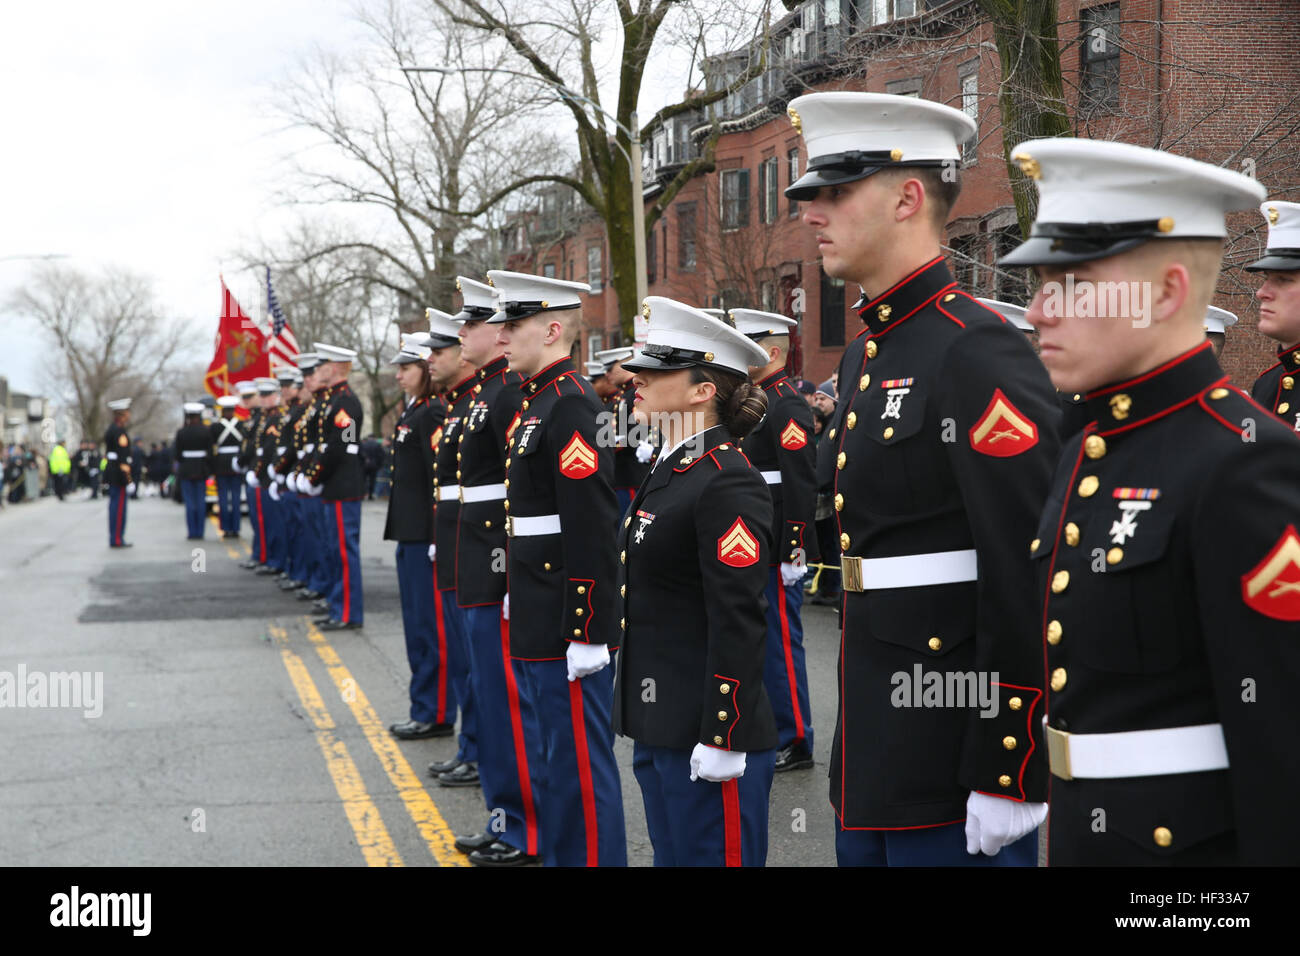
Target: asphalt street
(229, 731)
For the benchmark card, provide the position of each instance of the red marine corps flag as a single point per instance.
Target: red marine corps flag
(241, 352)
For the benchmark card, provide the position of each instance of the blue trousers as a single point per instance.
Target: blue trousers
(228, 502)
(116, 513)
(784, 674)
(452, 619)
(582, 817)
(510, 766)
(320, 579)
(433, 698)
(344, 530)
(274, 511)
(291, 528)
(193, 493)
(697, 823)
(926, 846)
(253, 496)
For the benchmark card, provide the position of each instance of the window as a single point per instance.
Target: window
(792, 160)
(735, 198)
(768, 181)
(1099, 59)
(970, 105)
(965, 262)
(686, 236)
(1009, 285)
(832, 312)
(593, 267)
(548, 270)
(550, 213)
(767, 296)
(910, 87)
(595, 344)
(652, 256)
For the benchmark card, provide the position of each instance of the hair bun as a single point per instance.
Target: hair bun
(746, 407)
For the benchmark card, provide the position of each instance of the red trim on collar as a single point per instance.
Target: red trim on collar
(901, 282)
(904, 318)
(1176, 360)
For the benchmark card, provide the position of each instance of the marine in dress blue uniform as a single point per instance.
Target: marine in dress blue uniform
(694, 551)
(946, 435)
(562, 573)
(117, 471)
(1279, 311)
(318, 580)
(1168, 556)
(193, 447)
(511, 771)
(270, 509)
(285, 459)
(248, 396)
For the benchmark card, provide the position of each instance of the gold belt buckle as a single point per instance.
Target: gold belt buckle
(1058, 753)
(850, 573)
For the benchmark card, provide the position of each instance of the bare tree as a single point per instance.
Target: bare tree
(108, 339)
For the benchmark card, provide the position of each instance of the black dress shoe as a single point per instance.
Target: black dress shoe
(475, 841)
(795, 756)
(321, 603)
(290, 585)
(462, 775)
(442, 766)
(124, 544)
(501, 854)
(419, 730)
(267, 569)
(322, 620)
(341, 626)
(307, 595)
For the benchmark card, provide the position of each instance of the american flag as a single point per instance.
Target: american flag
(284, 347)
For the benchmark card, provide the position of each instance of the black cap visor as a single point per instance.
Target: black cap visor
(1276, 260)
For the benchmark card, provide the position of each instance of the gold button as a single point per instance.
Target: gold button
(1219, 393)
(546, 566)
(525, 406)
(622, 624)
(506, 504)
(1162, 836)
(487, 524)
(508, 461)
(627, 521)
(458, 456)
(1288, 383)
(839, 502)
(477, 389)
(1094, 446)
(578, 611)
(582, 589)
(622, 590)
(687, 460)
(1072, 534)
(832, 433)
(722, 715)
(889, 432)
(1114, 555)
(1009, 743)
(935, 643)
(1088, 487)
(623, 556)
(872, 349)
(724, 447)
(794, 540)
(724, 688)
(1015, 703)
(1058, 678)
(852, 421)
(718, 741)
(507, 483)
(844, 542)
(840, 459)
(1054, 631)
(863, 383)
(577, 632)
(1004, 781)
(1284, 408)
(950, 296)
(1033, 545)
(1060, 581)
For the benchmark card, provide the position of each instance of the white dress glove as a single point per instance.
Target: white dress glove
(274, 491)
(270, 470)
(250, 476)
(130, 488)
(792, 574)
(585, 659)
(716, 766)
(505, 608)
(433, 552)
(995, 822)
(314, 490)
(644, 452)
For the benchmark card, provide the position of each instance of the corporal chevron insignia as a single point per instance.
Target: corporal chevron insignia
(435, 438)
(1273, 587)
(1002, 430)
(737, 547)
(793, 437)
(577, 458)
(342, 419)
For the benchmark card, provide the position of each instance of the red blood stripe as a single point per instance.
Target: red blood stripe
(521, 754)
(442, 648)
(261, 528)
(121, 513)
(784, 615)
(343, 557)
(584, 771)
(731, 821)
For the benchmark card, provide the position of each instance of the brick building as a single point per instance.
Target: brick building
(1198, 77)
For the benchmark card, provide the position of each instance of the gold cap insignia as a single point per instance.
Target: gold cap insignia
(490, 282)
(1028, 165)
(708, 356)
(1165, 223)
(1272, 215)
(794, 119)
(457, 283)
(545, 304)
(895, 154)
(645, 310)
